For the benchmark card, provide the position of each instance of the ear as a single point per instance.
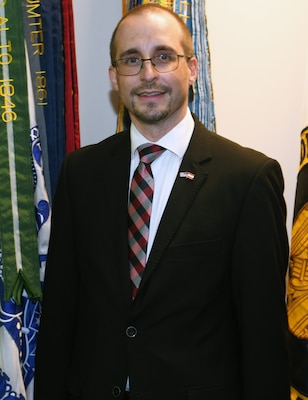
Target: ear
(193, 66)
(113, 78)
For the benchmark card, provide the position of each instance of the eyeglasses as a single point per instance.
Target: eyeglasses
(161, 63)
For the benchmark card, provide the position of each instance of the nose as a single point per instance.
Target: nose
(148, 70)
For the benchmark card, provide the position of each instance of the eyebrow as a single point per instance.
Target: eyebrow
(133, 50)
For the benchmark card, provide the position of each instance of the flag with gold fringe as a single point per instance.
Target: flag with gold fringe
(201, 99)
(298, 273)
(35, 135)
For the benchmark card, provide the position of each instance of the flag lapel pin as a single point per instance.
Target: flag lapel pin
(187, 175)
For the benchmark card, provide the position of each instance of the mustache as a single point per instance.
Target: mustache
(142, 88)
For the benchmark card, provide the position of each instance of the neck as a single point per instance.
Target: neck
(150, 132)
(155, 131)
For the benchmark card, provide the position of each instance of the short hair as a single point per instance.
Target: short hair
(148, 8)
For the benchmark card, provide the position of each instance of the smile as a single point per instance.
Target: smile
(150, 94)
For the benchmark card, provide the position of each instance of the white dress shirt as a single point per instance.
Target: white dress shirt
(165, 168)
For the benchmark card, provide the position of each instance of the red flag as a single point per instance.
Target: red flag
(72, 126)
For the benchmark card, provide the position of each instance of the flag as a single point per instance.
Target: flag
(49, 35)
(72, 127)
(201, 96)
(297, 301)
(17, 218)
(39, 124)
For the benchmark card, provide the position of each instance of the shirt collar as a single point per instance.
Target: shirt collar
(176, 140)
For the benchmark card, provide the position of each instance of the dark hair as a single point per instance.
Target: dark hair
(152, 8)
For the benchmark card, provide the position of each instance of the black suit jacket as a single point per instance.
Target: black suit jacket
(209, 319)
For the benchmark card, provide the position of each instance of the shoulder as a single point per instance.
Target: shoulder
(95, 154)
(221, 149)
(230, 160)
(110, 144)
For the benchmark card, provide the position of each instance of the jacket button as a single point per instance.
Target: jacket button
(116, 392)
(131, 331)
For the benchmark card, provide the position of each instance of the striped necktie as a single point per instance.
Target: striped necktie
(139, 212)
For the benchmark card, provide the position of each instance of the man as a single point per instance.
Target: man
(206, 317)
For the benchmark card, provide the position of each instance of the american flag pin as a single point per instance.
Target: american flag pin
(187, 175)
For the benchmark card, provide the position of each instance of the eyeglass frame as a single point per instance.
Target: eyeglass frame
(114, 63)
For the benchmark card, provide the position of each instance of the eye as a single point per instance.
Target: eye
(132, 60)
(164, 58)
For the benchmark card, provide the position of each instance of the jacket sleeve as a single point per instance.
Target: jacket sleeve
(59, 304)
(260, 261)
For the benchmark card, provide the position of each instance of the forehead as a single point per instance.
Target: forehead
(148, 31)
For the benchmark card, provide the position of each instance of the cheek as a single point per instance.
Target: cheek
(124, 92)
(125, 85)
(185, 78)
(182, 85)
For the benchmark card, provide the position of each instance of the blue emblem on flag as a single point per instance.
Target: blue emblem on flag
(6, 392)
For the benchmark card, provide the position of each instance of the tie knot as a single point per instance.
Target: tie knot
(149, 152)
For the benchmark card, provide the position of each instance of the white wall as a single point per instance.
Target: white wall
(94, 24)
(258, 52)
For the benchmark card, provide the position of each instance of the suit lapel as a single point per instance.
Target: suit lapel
(116, 174)
(183, 193)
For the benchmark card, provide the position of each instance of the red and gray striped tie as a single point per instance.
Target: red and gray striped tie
(139, 212)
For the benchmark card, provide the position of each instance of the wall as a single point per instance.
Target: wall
(258, 52)
(94, 24)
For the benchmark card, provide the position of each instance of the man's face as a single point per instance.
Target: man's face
(152, 97)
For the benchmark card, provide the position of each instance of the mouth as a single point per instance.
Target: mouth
(150, 94)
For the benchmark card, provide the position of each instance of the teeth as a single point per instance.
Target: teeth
(150, 94)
